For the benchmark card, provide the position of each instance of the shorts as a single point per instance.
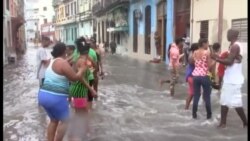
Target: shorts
(90, 97)
(79, 102)
(56, 105)
(190, 86)
(231, 95)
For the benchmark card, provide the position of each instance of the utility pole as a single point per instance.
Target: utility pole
(220, 21)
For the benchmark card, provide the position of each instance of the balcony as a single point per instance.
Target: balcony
(103, 6)
(55, 3)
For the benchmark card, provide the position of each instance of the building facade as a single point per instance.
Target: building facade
(46, 13)
(15, 39)
(48, 30)
(7, 36)
(67, 19)
(32, 20)
(111, 23)
(216, 22)
(85, 24)
(60, 17)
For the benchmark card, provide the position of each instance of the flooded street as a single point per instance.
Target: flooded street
(131, 106)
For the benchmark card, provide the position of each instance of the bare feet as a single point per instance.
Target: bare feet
(221, 126)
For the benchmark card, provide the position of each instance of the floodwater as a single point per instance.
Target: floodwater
(131, 106)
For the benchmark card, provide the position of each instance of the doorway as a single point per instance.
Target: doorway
(135, 33)
(147, 37)
(161, 27)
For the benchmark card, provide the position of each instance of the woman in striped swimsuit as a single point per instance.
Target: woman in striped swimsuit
(79, 90)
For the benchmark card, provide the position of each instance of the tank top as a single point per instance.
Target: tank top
(54, 82)
(233, 74)
(201, 66)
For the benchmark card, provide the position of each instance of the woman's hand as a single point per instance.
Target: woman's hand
(93, 92)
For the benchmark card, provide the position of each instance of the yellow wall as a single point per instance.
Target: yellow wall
(209, 10)
(84, 5)
(61, 13)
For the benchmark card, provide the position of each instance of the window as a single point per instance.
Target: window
(147, 36)
(44, 8)
(118, 38)
(7, 4)
(241, 26)
(66, 10)
(75, 32)
(82, 24)
(67, 32)
(72, 33)
(72, 9)
(69, 13)
(44, 21)
(204, 28)
(90, 6)
(75, 7)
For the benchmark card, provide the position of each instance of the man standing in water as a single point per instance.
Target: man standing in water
(113, 46)
(42, 59)
(231, 96)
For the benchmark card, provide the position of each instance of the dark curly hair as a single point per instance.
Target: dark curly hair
(202, 41)
(58, 50)
(82, 45)
(194, 47)
(216, 47)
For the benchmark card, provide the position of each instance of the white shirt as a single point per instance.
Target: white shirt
(233, 74)
(41, 55)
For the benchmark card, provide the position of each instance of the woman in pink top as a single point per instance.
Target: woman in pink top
(202, 62)
(174, 63)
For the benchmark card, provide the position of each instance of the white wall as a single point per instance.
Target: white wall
(232, 9)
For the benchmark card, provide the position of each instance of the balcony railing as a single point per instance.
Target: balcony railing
(105, 5)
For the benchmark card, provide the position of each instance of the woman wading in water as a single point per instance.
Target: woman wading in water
(79, 92)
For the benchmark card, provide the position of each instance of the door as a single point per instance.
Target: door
(147, 37)
(164, 39)
(135, 33)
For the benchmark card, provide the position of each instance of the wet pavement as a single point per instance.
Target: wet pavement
(131, 106)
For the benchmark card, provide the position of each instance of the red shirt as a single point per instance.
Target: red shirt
(221, 67)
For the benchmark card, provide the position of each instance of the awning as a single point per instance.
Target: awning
(117, 29)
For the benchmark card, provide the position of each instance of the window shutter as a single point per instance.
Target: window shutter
(204, 28)
(241, 26)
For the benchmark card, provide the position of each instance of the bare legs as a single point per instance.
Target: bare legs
(52, 130)
(188, 101)
(56, 130)
(224, 111)
(80, 124)
(61, 130)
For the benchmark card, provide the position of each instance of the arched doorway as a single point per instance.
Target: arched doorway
(147, 34)
(135, 32)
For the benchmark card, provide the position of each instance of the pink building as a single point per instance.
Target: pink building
(48, 29)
